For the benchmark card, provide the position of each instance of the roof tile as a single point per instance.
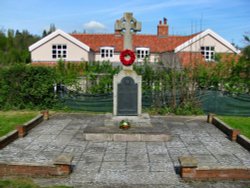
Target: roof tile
(155, 43)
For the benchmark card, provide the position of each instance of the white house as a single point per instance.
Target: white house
(101, 47)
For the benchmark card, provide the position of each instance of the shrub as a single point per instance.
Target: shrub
(188, 108)
(27, 87)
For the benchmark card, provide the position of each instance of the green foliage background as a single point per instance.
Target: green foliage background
(24, 86)
(14, 46)
(167, 87)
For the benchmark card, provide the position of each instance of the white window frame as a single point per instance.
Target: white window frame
(142, 53)
(59, 51)
(208, 52)
(107, 52)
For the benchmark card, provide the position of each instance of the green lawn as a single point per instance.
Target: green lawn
(241, 123)
(10, 119)
(22, 183)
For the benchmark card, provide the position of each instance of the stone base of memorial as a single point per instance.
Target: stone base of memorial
(142, 120)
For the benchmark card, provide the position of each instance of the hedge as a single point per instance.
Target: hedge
(23, 86)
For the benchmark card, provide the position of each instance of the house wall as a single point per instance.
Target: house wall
(154, 57)
(208, 40)
(74, 52)
(116, 58)
(91, 56)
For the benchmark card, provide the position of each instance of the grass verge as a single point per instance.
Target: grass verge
(241, 123)
(22, 183)
(10, 119)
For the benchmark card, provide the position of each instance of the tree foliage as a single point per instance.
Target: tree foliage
(14, 46)
(51, 29)
(167, 83)
(97, 76)
(23, 86)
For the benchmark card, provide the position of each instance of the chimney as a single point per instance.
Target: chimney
(162, 28)
(117, 33)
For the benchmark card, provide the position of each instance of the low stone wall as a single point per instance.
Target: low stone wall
(25, 128)
(189, 170)
(243, 141)
(61, 167)
(22, 130)
(8, 138)
(233, 134)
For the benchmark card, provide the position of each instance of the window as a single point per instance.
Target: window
(208, 52)
(107, 52)
(142, 53)
(59, 51)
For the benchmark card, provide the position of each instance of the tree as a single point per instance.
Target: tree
(244, 63)
(52, 28)
(14, 46)
(246, 50)
(172, 66)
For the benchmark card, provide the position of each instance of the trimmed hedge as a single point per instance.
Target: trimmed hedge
(23, 86)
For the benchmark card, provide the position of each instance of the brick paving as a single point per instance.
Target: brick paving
(128, 164)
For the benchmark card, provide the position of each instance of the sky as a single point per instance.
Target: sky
(228, 18)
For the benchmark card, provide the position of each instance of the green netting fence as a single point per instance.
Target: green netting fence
(218, 102)
(88, 102)
(224, 103)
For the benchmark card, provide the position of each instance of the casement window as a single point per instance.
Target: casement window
(59, 51)
(142, 53)
(208, 53)
(106, 52)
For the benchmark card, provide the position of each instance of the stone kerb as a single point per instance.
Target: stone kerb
(117, 79)
(8, 138)
(233, 134)
(190, 170)
(61, 167)
(21, 130)
(243, 141)
(63, 164)
(45, 114)
(230, 132)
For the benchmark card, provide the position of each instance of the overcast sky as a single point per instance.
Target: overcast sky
(228, 18)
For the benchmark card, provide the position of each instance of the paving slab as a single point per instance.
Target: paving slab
(128, 164)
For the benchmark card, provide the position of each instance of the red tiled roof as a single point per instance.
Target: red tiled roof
(155, 43)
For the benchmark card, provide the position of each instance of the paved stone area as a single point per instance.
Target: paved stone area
(128, 164)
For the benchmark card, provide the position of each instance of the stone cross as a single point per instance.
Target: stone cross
(127, 84)
(128, 25)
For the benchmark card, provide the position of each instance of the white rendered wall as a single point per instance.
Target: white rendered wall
(74, 52)
(208, 40)
(116, 58)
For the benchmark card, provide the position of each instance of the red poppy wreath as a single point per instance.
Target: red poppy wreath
(127, 57)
